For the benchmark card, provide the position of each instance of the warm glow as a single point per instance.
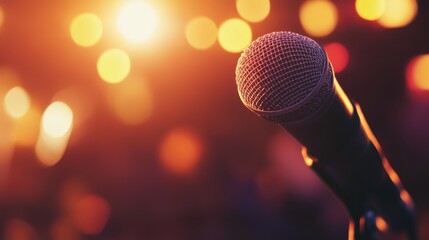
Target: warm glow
(54, 135)
(398, 13)
(405, 196)
(381, 224)
(1, 16)
(234, 35)
(50, 150)
(113, 65)
(253, 10)
(90, 214)
(351, 234)
(57, 120)
(338, 56)
(8, 80)
(86, 29)
(392, 174)
(81, 99)
(370, 9)
(16, 102)
(132, 101)
(201, 32)
(137, 21)
(17, 229)
(308, 160)
(319, 17)
(63, 229)
(26, 129)
(417, 73)
(6, 146)
(180, 151)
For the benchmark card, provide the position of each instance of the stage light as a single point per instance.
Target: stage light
(319, 17)
(370, 9)
(86, 29)
(16, 102)
(234, 35)
(137, 21)
(201, 33)
(113, 65)
(57, 119)
(398, 13)
(180, 151)
(417, 73)
(253, 10)
(338, 56)
(131, 101)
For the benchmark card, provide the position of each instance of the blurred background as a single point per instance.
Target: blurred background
(121, 119)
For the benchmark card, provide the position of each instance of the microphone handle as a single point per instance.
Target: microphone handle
(342, 150)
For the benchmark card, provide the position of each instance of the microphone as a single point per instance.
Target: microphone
(287, 78)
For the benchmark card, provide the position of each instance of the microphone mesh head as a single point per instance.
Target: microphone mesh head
(284, 77)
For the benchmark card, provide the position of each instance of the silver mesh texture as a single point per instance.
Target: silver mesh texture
(284, 72)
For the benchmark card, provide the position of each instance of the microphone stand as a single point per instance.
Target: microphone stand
(365, 228)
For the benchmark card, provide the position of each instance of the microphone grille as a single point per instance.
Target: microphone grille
(284, 72)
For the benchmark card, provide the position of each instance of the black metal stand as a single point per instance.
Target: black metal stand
(365, 228)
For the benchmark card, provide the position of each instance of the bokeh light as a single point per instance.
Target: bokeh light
(370, 9)
(319, 17)
(234, 35)
(132, 100)
(57, 119)
(113, 65)
(56, 126)
(253, 10)
(338, 56)
(50, 150)
(417, 73)
(86, 29)
(398, 13)
(16, 102)
(80, 99)
(137, 21)
(201, 32)
(381, 224)
(180, 151)
(90, 214)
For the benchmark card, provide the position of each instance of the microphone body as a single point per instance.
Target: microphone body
(287, 78)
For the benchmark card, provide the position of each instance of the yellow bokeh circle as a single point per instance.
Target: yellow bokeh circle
(86, 29)
(113, 65)
(17, 102)
(370, 9)
(398, 13)
(201, 33)
(234, 35)
(253, 10)
(319, 17)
